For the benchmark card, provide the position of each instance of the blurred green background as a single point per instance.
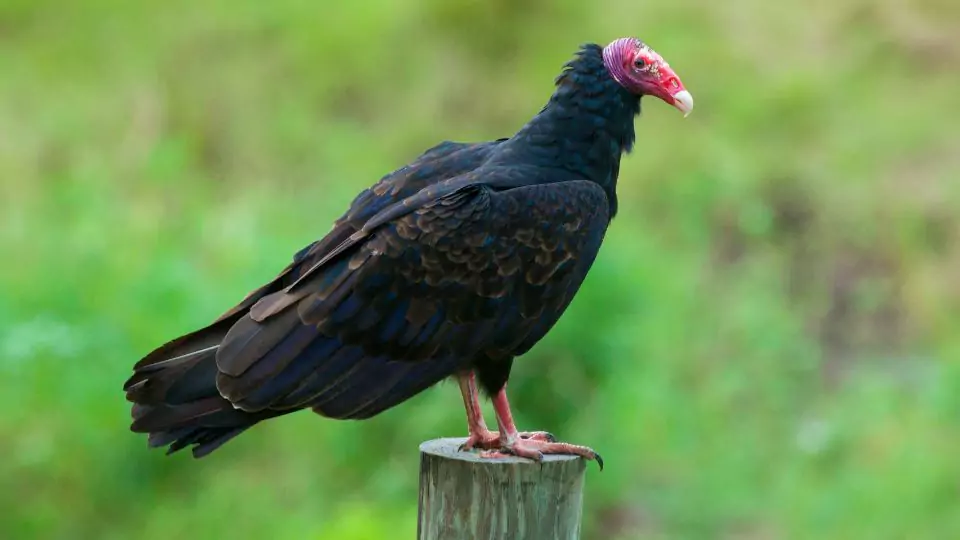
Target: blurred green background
(766, 348)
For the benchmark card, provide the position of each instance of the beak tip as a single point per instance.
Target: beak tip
(683, 101)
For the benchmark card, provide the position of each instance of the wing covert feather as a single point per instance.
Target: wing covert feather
(473, 271)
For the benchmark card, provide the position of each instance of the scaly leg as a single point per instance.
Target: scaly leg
(480, 436)
(512, 443)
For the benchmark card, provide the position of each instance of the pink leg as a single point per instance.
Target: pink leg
(479, 435)
(511, 442)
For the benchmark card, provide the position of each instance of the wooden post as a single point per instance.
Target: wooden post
(465, 497)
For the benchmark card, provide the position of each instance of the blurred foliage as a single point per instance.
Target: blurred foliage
(766, 348)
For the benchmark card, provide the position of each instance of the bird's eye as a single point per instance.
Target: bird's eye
(640, 63)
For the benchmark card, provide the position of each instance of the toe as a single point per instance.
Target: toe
(566, 448)
(520, 451)
(495, 454)
(481, 441)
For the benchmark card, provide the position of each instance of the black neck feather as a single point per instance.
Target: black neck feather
(585, 127)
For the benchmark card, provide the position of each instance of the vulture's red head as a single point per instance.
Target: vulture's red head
(639, 69)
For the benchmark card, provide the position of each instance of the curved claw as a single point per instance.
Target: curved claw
(544, 436)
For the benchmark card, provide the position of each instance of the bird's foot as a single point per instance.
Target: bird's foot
(490, 440)
(535, 449)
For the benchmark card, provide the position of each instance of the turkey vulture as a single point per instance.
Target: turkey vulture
(450, 266)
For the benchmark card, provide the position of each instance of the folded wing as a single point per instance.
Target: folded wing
(476, 271)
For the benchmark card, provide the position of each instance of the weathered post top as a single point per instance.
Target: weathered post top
(466, 497)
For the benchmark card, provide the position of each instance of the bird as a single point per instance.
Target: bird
(450, 267)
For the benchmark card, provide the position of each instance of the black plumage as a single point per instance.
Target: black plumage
(456, 263)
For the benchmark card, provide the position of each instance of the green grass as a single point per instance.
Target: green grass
(766, 347)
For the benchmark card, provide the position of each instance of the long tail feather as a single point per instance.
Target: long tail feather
(175, 398)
